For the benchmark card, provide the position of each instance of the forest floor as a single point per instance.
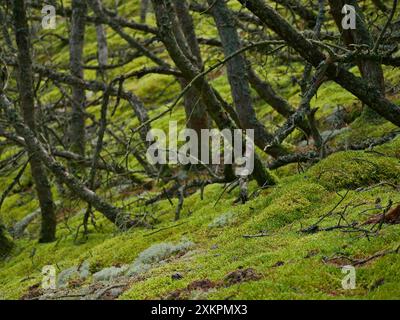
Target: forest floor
(284, 243)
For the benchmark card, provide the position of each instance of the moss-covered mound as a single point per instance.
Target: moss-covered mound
(354, 169)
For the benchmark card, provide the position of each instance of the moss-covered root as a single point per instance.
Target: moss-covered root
(5, 243)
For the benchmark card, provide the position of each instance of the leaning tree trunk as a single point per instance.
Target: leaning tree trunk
(237, 76)
(370, 70)
(26, 99)
(77, 121)
(35, 147)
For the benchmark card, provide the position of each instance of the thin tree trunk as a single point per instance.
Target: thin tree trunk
(77, 121)
(26, 99)
(144, 8)
(196, 113)
(278, 103)
(237, 76)
(102, 48)
(370, 70)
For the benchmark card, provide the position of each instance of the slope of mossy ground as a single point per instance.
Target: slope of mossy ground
(291, 264)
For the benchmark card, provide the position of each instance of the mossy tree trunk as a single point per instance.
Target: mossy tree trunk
(237, 76)
(370, 70)
(25, 81)
(196, 112)
(77, 120)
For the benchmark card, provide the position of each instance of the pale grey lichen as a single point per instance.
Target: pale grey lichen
(153, 255)
(81, 272)
(111, 273)
(156, 254)
(222, 220)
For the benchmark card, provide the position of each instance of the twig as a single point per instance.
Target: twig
(382, 34)
(258, 235)
(165, 228)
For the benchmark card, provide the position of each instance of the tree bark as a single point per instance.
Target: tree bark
(278, 103)
(196, 113)
(77, 121)
(26, 99)
(303, 12)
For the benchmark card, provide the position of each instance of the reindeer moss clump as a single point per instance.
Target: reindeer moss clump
(162, 251)
(354, 169)
(155, 254)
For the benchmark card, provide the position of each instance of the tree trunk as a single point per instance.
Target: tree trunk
(77, 121)
(192, 73)
(102, 48)
(237, 76)
(196, 113)
(278, 103)
(144, 8)
(25, 81)
(370, 70)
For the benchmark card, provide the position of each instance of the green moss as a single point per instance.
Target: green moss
(354, 169)
(361, 130)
